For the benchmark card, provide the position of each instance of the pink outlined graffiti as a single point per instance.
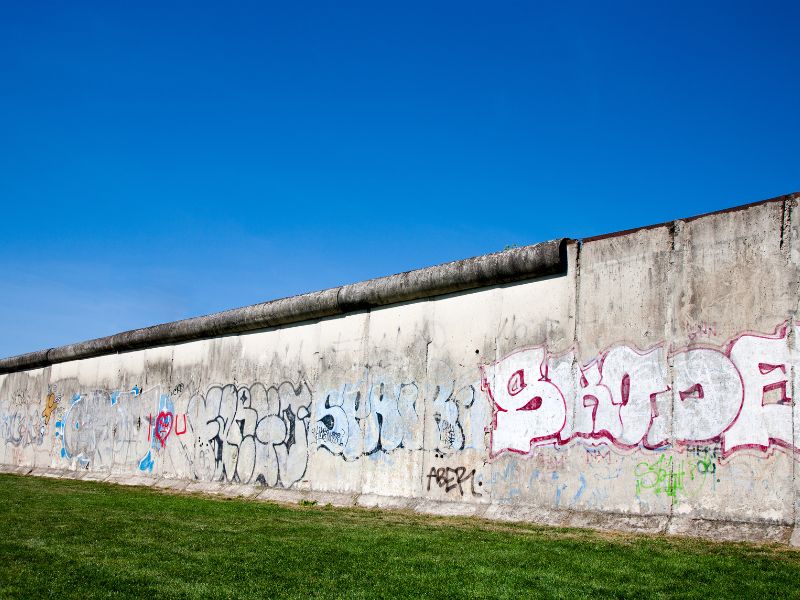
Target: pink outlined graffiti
(737, 396)
(163, 426)
(755, 419)
(543, 407)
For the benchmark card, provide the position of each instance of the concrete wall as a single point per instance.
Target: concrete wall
(649, 387)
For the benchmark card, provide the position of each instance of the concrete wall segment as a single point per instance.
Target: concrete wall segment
(643, 381)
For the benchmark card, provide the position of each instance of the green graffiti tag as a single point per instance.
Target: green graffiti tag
(675, 477)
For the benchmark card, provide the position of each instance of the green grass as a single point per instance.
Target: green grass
(74, 539)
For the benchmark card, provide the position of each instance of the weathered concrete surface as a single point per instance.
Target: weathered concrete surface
(642, 381)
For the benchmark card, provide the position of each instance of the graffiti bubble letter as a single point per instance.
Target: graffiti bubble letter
(530, 409)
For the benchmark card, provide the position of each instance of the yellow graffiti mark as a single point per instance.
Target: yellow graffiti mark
(49, 407)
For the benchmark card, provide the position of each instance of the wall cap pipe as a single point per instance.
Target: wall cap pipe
(516, 264)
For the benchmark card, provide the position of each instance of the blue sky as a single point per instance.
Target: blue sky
(160, 162)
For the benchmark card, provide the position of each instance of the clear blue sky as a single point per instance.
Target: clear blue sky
(162, 162)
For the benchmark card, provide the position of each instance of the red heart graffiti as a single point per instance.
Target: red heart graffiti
(163, 426)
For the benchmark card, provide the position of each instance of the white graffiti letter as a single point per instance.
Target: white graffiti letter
(530, 408)
(766, 415)
(708, 395)
(636, 381)
(596, 415)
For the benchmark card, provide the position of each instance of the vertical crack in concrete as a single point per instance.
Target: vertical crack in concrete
(577, 295)
(787, 216)
(576, 349)
(365, 368)
(783, 223)
(487, 430)
(676, 247)
(424, 420)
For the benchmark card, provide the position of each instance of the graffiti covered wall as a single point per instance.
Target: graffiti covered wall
(651, 387)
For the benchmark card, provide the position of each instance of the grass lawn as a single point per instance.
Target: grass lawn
(74, 539)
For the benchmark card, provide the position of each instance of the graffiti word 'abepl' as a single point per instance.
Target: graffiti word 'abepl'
(451, 479)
